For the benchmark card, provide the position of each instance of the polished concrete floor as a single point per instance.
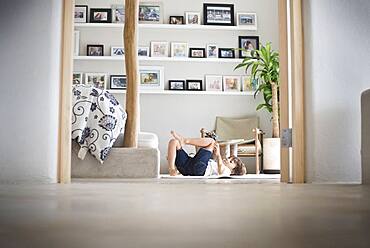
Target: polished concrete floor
(184, 213)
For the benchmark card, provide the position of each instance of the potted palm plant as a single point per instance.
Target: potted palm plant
(264, 67)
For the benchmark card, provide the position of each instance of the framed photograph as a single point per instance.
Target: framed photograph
(195, 85)
(80, 13)
(213, 83)
(177, 20)
(159, 49)
(76, 45)
(212, 51)
(143, 51)
(118, 13)
(100, 15)
(151, 77)
(117, 51)
(248, 43)
(179, 49)
(118, 82)
(95, 50)
(247, 20)
(176, 85)
(248, 84)
(77, 78)
(197, 52)
(218, 14)
(151, 12)
(192, 18)
(231, 83)
(97, 80)
(226, 53)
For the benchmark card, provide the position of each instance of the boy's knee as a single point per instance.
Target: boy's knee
(173, 142)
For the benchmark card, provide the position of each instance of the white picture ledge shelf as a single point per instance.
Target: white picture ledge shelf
(160, 59)
(186, 92)
(165, 26)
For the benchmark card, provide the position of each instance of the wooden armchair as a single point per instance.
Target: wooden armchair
(240, 128)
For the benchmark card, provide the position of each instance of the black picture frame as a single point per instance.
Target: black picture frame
(94, 10)
(200, 82)
(207, 6)
(91, 46)
(112, 87)
(86, 9)
(170, 86)
(231, 50)
(181, 18)
(197, 49)
(242, 45)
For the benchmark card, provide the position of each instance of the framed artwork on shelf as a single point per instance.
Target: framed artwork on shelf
(212, 51)
(96, 79)
(248, 44)
(76, 45)
(213, 82)
(231, 83)
(218, 14)
(176, 85)
(95, 50)
(151, 12)
(80, 15)
(194, 85)
(179, 49)
(151, 77)
(197, 52)
(77, 78)
(249, 84)
(192, 18)
(100, 15)
(118, 13)
(143, 51)
(159, 49)
(117, 51)
(226, 53)
(177, 20)
(118, 82)
(248, 20)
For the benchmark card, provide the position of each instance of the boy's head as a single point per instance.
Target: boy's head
(236, 166)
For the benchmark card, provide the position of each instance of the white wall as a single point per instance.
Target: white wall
(337, 64)
(30, 57)
(186, 114)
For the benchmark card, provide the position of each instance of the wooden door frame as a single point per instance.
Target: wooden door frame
(64, 143)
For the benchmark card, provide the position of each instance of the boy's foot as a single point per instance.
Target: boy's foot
(179, 138)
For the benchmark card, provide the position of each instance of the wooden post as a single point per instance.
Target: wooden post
(132, 92)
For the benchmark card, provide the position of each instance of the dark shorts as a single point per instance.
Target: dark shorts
(192, 166)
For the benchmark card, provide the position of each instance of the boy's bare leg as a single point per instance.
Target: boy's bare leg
(173, 146)
(206, 143)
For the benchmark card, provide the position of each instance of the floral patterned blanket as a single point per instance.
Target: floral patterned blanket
(97, 120)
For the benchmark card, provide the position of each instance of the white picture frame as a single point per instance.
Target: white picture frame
(212, 51)
(151, 78)
(179, 50)
(76, 45)
(101, 79)
(80, 13)
(231, 83)
(77, 78)
(118, 13)
(247, 20)
(117, 51)
(213, 82)
(249, 85)
(192, 18)
(143, 51)
(159, 49)
(151, 12)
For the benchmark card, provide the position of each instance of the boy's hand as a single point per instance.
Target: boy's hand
(216, 150)
(172, 171)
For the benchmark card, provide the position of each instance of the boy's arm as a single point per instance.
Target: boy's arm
(218, 159)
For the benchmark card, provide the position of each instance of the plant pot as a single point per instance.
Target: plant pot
(271, 155)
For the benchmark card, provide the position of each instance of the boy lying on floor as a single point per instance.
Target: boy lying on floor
(201, 164)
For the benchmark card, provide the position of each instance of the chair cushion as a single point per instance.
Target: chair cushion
(247, 149)
(236, 128)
